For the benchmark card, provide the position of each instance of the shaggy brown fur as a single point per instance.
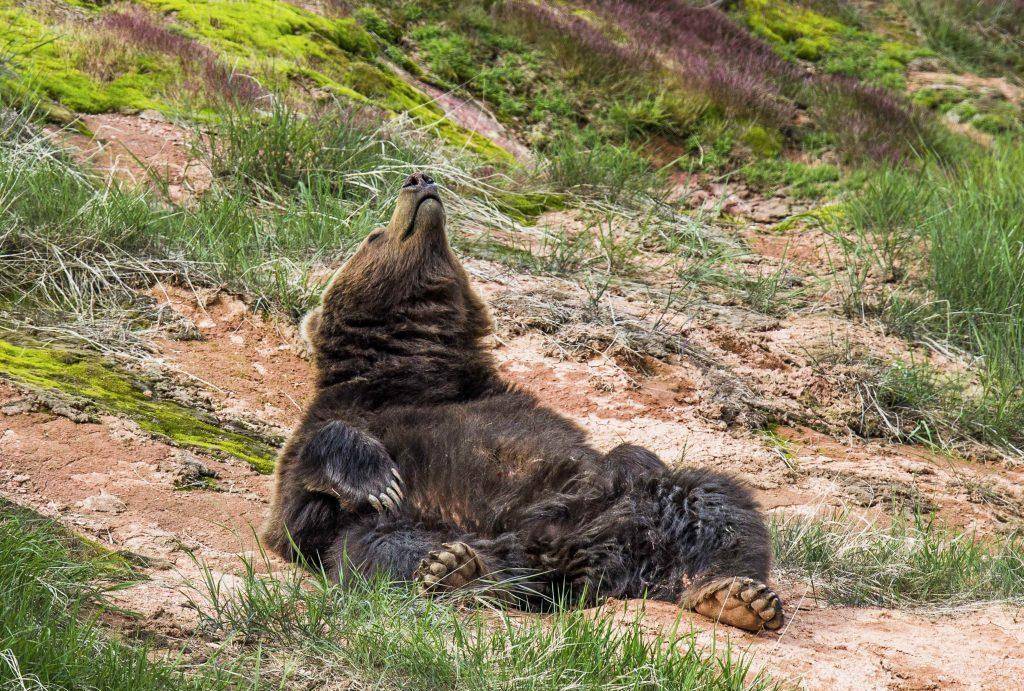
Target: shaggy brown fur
(417, 460)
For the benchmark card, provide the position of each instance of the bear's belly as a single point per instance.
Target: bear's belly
(479, 464)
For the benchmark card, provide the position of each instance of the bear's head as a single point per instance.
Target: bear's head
(402, 260)
(403, 288)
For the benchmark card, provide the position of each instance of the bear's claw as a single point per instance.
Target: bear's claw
(391, 498)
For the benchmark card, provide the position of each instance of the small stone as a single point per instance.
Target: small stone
(154, 115)
(103, 503)
(18, 407)
(193, 473)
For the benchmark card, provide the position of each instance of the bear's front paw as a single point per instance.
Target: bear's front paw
(353, 466)
(391, 497)
(385, 495)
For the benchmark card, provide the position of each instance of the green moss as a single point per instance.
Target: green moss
(822, 216)
(781, 22)
(800, 33)
(527, 206)
(114, 566)
(261, 29)
(762, 143)
(88, 378)
(48, 64)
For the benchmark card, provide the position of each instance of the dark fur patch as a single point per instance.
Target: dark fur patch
(347, 461)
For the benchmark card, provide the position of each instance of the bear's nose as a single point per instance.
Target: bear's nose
(418, 180)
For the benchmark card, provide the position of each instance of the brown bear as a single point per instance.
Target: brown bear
(416, 460)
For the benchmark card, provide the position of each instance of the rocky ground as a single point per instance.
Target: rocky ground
(694, 383)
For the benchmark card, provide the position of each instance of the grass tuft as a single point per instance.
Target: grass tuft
(53, 587)
(952, 237)
(914, 562)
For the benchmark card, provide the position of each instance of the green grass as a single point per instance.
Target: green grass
(283, 629)
(914, 562)
(53, 589)
(290, 194)
(913, 402)
(983, 35)
(948, 240)
(831, 42)
(584, 162)
(795, 178)
(544, 85)
(381, 633)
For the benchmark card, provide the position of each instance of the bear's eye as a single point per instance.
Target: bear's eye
(375, 236)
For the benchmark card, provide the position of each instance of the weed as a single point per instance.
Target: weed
(956, 233)
(978, 34)
(769, 292)
(583, 162)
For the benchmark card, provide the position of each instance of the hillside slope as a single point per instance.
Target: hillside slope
(778, 238)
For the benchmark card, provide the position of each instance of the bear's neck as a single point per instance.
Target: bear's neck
(421, 352)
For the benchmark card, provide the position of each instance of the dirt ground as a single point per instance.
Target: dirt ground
(704, 405)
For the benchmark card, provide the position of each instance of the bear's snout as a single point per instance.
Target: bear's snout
(418, 180)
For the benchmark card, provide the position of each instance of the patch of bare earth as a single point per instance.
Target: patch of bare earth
(141, 149)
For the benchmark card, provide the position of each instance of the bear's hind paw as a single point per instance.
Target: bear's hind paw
(741, 602)
(453, 566)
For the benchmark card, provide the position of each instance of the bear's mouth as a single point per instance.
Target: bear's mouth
(412, 221)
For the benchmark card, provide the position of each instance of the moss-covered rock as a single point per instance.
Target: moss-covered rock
(90, 380)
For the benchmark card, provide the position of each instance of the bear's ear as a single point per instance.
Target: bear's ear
(310, 325)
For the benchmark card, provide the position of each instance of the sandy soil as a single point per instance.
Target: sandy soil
(140, 149)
